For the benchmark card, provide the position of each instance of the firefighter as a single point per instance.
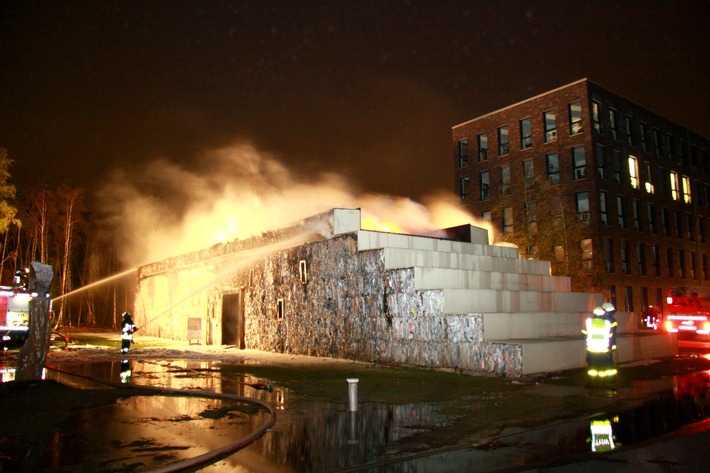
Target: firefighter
(598, 330)
(609, 311)
(127, 329)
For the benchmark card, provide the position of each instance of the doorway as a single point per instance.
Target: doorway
(233, 320)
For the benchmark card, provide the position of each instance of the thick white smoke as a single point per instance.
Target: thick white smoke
(162, 209)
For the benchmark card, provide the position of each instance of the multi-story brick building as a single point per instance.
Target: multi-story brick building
(639, 182)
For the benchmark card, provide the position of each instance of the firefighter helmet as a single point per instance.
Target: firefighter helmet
(598, 311)
(608, 307)
(126, 315)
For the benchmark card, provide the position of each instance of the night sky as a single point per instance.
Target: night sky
(368, 90)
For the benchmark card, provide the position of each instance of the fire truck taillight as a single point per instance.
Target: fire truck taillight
(669, 300)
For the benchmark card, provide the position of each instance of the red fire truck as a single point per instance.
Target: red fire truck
(688, 310)
(14, 315)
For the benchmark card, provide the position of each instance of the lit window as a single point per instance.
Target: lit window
(633, 172)
(686, 190)
(596, 114)
(586, 249)
(575, 118)
(648, 179)
(674, 185)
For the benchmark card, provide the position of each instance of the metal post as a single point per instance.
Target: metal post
(352, 394)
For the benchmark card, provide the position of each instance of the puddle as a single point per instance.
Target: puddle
(140, 432)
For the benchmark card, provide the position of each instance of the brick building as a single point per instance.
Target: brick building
(639, 184)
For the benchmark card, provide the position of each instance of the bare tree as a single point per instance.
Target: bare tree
(8, 211)
(71, 206)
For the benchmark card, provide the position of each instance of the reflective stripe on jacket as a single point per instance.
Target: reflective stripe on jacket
(598, 335)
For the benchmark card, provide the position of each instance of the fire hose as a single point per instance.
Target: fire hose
(212, 456)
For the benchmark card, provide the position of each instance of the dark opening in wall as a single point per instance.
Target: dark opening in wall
(279, 309)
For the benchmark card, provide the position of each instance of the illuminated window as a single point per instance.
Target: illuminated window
(550, 126)
(503, 141)
(482, 146)
(575, 118)
(579, 160)
(686, 190)
(633, 172)
(674, 185)
(648, 178)
(525, 133)
(463, 153)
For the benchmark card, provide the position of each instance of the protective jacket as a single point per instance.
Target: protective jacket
(599, 335)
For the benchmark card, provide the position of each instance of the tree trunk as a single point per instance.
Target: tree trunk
(32, 355)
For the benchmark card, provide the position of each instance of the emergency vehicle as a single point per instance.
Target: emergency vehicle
(15, 311)
(688, 310)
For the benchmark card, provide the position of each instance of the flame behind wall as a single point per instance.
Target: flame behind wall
(162, 209)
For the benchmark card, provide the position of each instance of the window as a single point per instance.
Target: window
(629, 298)
(613, 124)
(575, 118)
(641, 258)
(531, 213)
(603, 208)
(636, 209)
(586, 250)
(618, 166)
(553, 168)
(693, 268)
(670, 145)
(658, 142)
(669, 262)
(525, 133)
(675, 193)
(684, 156)
(505, 179)
(528, 173)
(686, 190)
(464, 190)
(579, 160)
(596, 116)
(690, 226)
(486, 215)
(678, 224)
(652, 219)
(647, 177)
(633, 172)
(601, 160)
(507, 220)
(662, 180)
(701, 229)
(550, 126)
(624, 251)
(655, 260)
(482, 147)
(665, 221)
(503, 141)
(620, 207)
(279, 309)
(706, 267)
(582, 201)
(644, 137)
(629, 129)
(485, 185)
(463, 153)
(681, 264)
(608, 254)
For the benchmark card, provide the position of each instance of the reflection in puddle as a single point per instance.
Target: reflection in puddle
(314, 435)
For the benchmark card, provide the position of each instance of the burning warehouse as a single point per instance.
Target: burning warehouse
(325, 287)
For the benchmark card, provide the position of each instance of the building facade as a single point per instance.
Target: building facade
(638, 183)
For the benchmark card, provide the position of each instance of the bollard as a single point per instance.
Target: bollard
(352, 394)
